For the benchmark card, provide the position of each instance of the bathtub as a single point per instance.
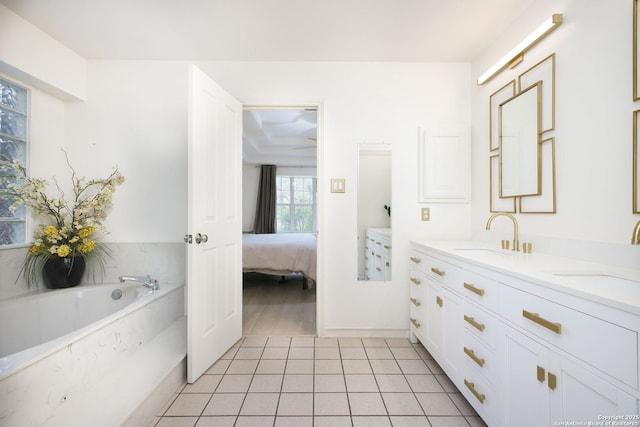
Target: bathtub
(88, 355)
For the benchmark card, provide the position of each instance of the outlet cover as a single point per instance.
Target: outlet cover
(426, 214)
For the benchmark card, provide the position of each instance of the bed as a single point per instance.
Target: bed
(280, 254)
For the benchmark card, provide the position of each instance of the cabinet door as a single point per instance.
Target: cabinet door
(444, 165)
(579, 395)
(526, 392)
(452, 330)
(434, 312)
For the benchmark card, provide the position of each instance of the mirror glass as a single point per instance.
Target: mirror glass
(519, 148)
(374, 212)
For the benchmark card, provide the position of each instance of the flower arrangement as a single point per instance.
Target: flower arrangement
(70, 227)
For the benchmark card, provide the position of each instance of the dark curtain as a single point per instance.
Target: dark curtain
(266, 206)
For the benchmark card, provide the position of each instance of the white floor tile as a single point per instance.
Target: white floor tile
(409, 421)
(188, 405)
(177, 422)
(204, 384)
(266, 384)
(366, 404)
(353, 353)
(332, 421)
(424, 384)
(330, 404)
(356, 367)
(328, 366)
(271, 367)
(299, 367)
(361, 383)
(224, 404)
(371, 421)
(246, 421)
(297, 384)
(295, 404)
(329, 383)
(392, 383)
(260, 404)
(437, 404)
(294, 422)
(402, 404)
(216, 422)
(234, 384)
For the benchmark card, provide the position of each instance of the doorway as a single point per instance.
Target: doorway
(280, 298)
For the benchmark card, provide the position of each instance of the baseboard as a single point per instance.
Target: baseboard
(366, 333)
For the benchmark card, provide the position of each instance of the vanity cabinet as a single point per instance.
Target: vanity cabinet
(521, 352)
(378, 254)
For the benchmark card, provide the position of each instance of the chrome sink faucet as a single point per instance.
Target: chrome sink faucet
(151, 284)
(516, 243)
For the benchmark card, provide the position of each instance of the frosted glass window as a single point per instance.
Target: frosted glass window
(14, 107)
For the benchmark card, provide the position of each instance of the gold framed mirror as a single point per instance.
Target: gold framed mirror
(519, 150)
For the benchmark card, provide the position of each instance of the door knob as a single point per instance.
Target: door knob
(201, 238)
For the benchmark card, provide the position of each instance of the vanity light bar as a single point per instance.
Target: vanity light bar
(515, 55)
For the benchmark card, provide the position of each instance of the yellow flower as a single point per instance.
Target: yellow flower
(86, 246)
(63, 251)
(86, 232)
(37, 249)
(51, 232)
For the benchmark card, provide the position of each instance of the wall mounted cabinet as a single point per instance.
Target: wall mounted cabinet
(444, 165)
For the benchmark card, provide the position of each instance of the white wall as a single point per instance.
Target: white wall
(593, 132)
(39, 60)
(364, 102)
(135, 117)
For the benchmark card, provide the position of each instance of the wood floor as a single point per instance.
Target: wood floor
(272, 306)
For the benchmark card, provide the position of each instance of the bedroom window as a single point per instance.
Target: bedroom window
(14, 106)
(295, 204)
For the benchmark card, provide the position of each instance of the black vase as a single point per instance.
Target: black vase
(63, 272)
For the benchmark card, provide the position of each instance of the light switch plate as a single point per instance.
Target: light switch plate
(426, 214)
(337, 185)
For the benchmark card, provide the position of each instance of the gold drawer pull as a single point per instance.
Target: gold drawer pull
(415, 322)
(535, 317)
(540, 373)
(472, 322)
(387, 247)
(552, 383)
(472, 388)
(415, 302)
(378, 268)
(378, 256)
(416, 260)
(437, 271)
(473, 289)
(387, 263)
(439, 301)
(416, 281)
(473, 357)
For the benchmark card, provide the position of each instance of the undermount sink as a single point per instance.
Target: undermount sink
(482, 251)
(602, 279)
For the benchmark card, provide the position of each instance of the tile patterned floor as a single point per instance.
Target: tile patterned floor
(321, 382)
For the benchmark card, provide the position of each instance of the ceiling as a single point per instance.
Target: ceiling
(275, 30)
(283, 136)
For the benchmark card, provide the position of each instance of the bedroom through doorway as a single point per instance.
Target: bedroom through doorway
(280, 205)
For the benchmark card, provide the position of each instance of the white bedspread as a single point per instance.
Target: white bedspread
(280, 253)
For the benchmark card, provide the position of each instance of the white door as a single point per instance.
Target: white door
(214, 255)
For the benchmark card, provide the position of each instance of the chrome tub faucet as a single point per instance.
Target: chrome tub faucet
(150, 283)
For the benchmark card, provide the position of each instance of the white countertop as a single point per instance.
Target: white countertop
(605, 284)
(383, 231)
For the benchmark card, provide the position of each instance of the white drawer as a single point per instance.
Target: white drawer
(417, 259)
(481, 324)
(480, 358)
(445, 273)
(480, 290)
(611, 348)
(481, 395)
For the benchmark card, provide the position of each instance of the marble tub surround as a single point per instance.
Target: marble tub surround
(164, 261)
(103, 375)
(609, 284)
